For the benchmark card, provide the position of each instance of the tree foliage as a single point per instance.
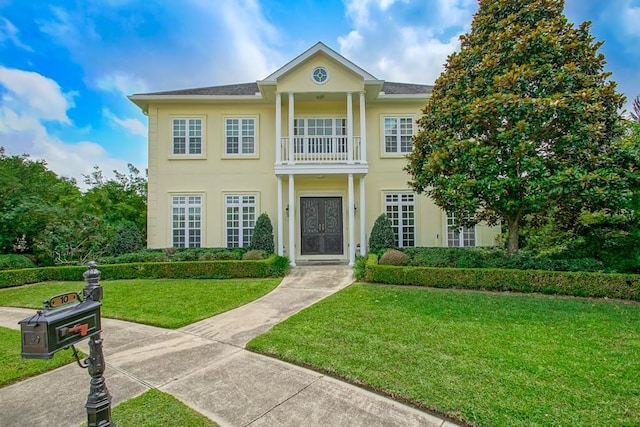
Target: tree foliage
(635, 114)
(31, 197)
(47, 216)
(523, 120)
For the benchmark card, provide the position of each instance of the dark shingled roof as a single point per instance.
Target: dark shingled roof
(392, 88)
(237, 89)
(389, 88)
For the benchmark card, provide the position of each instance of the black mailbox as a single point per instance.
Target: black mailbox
(51, 330)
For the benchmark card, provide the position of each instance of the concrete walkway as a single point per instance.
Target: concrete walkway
(206, 367)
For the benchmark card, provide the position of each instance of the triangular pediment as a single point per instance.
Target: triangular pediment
(317, 50)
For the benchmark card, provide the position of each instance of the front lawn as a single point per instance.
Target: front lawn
(167, 303)
(14, 368)
(157, 409)
(486, 358)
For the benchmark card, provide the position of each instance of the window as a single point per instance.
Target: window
(397, 134)
(459, 236)
(320, 135)
(240, 136)
(401, 210)
(187, 136)
(186, 221)
(241, 219)
(320, 75)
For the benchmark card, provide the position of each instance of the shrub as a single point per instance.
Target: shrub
(497, 258)
(394, 257)
(205, 254)
(147, 255)
(580, 284)
(262, 238)
(382, 235)
(359, 268)
(127, 238)
(274, 266)
(15, 261)
(253, 255)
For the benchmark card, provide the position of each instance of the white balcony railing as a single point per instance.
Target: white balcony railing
(321, 149)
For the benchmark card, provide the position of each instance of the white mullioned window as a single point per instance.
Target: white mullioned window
(240, 135)
(398, 132)
(187, 136)
(186, 221)
(459, 236)
(240, 213)
(401, 210)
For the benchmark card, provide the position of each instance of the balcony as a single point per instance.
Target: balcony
(317, 149)
(315, 154)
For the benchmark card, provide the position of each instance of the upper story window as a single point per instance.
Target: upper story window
(398, 132)
(240, 136)
(187, 136)
(459, 236)
(320, 75)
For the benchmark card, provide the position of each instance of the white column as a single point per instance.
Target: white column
(292, 217)
(363, 130)
(291, 111)
(363, 229)
(278, 130)
(280, 219)
(349, 127)
(352, 231)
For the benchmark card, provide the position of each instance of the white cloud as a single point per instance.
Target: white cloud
(631, 20)
(31, 92)
(9, 32)
(31, 102)
(405, 41)
(135, 126)
(121, 83)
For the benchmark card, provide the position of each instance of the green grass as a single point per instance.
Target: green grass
(168, 303)
(485, 358)
(14, 368)
(157, 409)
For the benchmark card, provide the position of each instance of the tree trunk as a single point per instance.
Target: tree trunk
(513, 225)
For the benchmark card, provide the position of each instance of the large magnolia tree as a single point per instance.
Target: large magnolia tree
(522, 121)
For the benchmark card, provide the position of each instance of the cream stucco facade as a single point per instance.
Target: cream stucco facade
(319, 146)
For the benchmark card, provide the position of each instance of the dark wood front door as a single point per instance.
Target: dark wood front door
(321, 225)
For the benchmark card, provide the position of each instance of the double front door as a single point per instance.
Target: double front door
(321, 225)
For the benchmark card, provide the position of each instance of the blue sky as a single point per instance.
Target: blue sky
(67, 66)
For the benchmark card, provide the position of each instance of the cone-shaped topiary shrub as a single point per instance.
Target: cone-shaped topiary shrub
(382, 235)
(262, 238)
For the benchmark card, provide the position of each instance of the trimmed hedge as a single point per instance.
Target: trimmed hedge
(274, 266)
(580, 284)
(15, 261)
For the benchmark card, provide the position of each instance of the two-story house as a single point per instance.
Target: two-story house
(319, 145)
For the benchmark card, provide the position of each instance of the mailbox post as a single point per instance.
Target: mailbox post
(65, 321)
(99, 400)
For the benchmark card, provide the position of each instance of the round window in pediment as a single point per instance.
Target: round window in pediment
(320, 75)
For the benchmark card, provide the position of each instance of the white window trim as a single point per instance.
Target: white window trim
(256, 139)
(202, 217)
(203, 144)
(257, 211)
(397, 153)
(400, 203)
(460, 234)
